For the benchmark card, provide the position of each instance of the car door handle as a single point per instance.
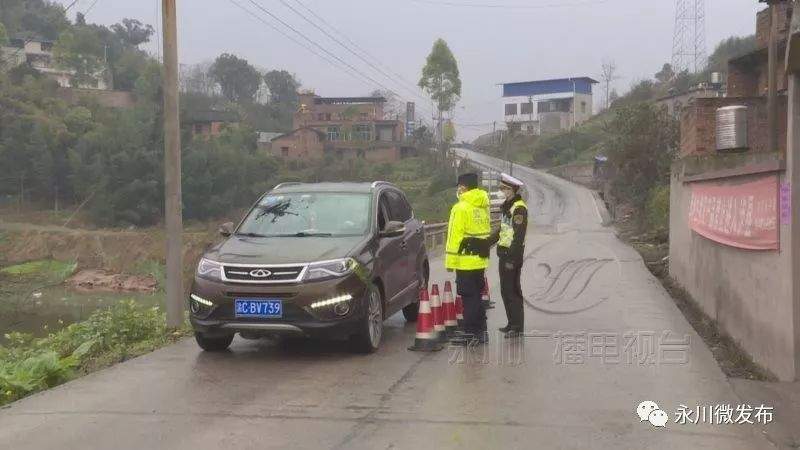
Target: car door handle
(403, 245)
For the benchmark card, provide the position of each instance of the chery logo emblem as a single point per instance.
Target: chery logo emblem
(260, 273)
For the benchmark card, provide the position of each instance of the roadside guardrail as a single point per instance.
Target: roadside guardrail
(436, 233)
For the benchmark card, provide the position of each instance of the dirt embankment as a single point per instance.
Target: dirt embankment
(115, 252)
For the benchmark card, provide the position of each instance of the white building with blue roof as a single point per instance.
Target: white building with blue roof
(547, 106)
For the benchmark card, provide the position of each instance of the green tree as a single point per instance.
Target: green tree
(449, 132)
(132, 32)
(282, 86)
(33, 18)
(643, 141)
(730, 48)
(440, 77)
(79, 50)
(128, 67)
(238, 79)
(666, 73)
(3, 35)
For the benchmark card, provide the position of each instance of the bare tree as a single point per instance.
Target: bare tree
(608, 76)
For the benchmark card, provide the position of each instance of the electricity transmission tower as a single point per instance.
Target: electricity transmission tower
(689, 41)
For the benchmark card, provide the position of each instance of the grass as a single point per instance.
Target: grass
(49, 269)
(153, 268)
(109, 336)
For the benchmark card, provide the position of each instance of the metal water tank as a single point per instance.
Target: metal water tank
(732, 128)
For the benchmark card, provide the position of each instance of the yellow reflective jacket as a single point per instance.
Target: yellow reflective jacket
(506, 226)
(468, 218)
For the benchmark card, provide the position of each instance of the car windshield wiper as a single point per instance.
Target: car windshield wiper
(310, 233)
(251, 235)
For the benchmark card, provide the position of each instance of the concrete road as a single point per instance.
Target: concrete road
(602, 337)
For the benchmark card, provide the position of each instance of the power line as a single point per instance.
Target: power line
(354, 44)
(89, 9)
(506, 6)
(293, 39)
(30, 39)
(346, 47)
(316, 44)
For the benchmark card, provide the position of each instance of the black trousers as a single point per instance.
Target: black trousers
(511, 291)
(469, 284)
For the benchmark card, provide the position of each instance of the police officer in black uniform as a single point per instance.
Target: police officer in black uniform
(511, 249)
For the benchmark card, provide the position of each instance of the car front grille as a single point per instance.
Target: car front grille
(262, 274)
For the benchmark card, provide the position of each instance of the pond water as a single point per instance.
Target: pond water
(58, 306)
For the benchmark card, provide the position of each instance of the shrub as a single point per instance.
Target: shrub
(658, 211)
(128, 329)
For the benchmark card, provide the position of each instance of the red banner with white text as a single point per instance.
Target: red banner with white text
(743, 214)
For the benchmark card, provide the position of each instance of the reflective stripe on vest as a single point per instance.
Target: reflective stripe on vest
(506, 228)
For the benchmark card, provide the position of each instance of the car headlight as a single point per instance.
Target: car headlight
(210, 270)
(329, 269)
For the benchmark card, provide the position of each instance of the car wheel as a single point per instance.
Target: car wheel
(213, 344)
(370, 332)
(411, 310)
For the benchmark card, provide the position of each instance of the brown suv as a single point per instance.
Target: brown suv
(319, 260)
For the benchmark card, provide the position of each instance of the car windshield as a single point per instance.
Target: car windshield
(308, 214)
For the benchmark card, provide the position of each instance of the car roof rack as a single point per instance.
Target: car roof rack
(287, 183)
(381, 183)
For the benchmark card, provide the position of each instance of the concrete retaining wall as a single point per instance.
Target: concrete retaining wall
(747, 292)
(581, 173)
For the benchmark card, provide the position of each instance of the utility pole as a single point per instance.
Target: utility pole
(172, 168)
(772, 77)
(793, 173)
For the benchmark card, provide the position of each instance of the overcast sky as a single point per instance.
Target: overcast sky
(493, 42)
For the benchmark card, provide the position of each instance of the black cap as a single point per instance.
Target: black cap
(469, 180)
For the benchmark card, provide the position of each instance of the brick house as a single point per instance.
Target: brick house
(210, 123)
(747, 85)
(342, 127)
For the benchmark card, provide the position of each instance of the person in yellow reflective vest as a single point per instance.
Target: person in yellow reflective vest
(511, 249)
(467, 253)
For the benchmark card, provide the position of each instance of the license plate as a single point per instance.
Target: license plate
(269, 309)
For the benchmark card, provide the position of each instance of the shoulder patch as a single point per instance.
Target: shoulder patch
(518, 219)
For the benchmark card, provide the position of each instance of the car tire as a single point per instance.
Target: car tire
(411, 310)
(370, 327)
(213, 344)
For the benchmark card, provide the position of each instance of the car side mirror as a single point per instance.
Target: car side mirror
(226, 229)
(393, 229)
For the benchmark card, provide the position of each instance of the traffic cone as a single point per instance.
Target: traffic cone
(425, 339)
(438, 314)
(459, 311)
(450, 320)
(487, 302)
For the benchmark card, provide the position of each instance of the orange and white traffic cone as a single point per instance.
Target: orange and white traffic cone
(425, 339)
(450, 320)
(459, 311)
(438, 314)
(487, 302)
